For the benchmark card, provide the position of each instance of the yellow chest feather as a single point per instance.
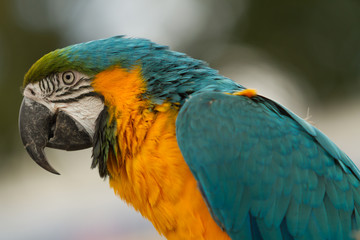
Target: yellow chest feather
(151, 173)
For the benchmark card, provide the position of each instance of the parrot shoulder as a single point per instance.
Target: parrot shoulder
(264, 171)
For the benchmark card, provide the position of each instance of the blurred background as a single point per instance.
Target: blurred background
(303, 54)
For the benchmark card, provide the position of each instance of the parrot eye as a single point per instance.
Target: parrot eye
(68, 77)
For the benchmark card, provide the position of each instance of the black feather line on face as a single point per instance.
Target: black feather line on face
(41, 85)
(75, 99)
(71, 91)
(104, 142)
(51, 85)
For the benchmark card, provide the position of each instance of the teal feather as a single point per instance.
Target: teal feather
(304, 216)
(314, 231)
(318, 193)
(334, 195)
(269, 232)
(320, 221)
(345, 221)
(285, 231)
(355, 219)
(270, 214)
(342, 182)
(287, 173)
(333, 219)
(292, 217)
(312, 180)
(281, 209)
(349, 198)
(246, 231)
(244, 208)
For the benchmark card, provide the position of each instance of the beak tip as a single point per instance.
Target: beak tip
(38, 155)
(48, 168)
(56, 172)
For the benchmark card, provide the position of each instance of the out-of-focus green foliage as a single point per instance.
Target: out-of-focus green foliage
(19, 48)
(319, 40)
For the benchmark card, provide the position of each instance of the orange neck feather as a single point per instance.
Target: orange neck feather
(121, 90)
(152, 175)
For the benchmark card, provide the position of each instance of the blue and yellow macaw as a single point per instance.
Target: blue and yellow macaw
(197, 154)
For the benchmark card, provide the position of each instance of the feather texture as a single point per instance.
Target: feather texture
(290, 174)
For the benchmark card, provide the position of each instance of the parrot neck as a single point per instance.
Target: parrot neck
(152, 176)
(144, 163)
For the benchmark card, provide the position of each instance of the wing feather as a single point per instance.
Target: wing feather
(265, 172)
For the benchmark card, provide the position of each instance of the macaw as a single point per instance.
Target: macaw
(197, 154)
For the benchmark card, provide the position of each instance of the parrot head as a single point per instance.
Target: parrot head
(62, 109)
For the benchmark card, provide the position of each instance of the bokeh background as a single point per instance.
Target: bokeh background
(303, 54)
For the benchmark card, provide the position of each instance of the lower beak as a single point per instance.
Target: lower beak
(40, 128)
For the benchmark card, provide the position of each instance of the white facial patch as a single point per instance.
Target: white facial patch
(85, 111)
(71, 93)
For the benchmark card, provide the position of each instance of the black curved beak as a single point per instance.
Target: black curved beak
(40, 128)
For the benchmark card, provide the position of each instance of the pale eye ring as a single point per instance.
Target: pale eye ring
(68, 77)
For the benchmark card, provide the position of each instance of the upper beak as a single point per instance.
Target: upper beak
(40, 128)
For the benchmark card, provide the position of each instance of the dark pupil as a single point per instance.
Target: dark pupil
(68, 77)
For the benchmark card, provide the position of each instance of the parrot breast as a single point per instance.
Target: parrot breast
(149, 171)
